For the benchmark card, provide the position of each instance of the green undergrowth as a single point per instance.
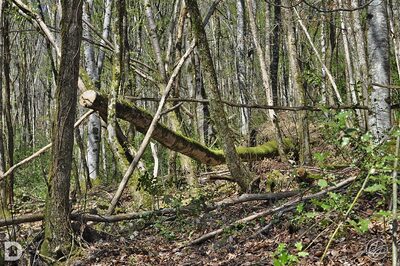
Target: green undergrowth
(347, 147)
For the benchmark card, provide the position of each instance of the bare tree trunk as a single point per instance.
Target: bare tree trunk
(324, 89)
(86, 173)
(299, 91)
(26, 135)
(394, 12)
(265, 75)
(245, 113)
(169, 57)
(3, 183)
(238, 171)
(58, 232)
(94, 125)
(352, 97)
(361, 62)
(154, 153)
(203, 112)
(118, 77)
(379, 66)
(154, 40)
(93, 145)
(276, 29)
(7, 104)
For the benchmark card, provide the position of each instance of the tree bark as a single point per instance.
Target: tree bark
(105, 34)
(7, 104)
(203, 112)
(361, 61)
(154, 40)
(94, 126)
(394, 12)
(275, 51)
(299, 91)
(3, 183)
(238, 171)
(118, 76)
(57, 241)
(352, 95)
(378, 55)
(265, 76)
(241, 67)
(85, 169)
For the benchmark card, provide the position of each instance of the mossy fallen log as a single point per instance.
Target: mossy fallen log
(170, 139)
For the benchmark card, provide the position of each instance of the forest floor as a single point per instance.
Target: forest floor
(260, 242)
(159, 244)
(160, 241)
(297, 236)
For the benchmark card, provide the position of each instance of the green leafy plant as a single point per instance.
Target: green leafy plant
(361, 226)
(321, 158)
(165, 231)
(334, 201)
(150, 184)
(283, 257)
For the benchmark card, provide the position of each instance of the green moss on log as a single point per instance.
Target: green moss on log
(141, 119)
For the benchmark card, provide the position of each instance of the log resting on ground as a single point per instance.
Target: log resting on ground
(170, 139)
(85, 217)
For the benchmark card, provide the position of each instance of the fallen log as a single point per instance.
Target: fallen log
(253, 197)
(170, 139)
(85, 217)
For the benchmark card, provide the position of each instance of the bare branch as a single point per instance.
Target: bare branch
(255, 106)
(336, 9)
(392, 87)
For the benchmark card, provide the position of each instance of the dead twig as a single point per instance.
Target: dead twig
(270, 211)
(274, 220)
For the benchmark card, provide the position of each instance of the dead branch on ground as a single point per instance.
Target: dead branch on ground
(84, 217)
(285, 207)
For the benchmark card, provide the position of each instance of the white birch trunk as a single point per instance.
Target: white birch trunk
(241, 67)
(378, 55)
(94, 125)
(105, 34)
(154, 153)
(324, 91)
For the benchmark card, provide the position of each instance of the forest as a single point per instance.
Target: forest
(199, 132)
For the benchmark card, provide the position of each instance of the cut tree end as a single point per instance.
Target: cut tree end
(87, 98)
